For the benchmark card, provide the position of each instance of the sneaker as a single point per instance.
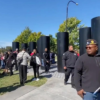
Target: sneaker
(34, 79)
(37, 79)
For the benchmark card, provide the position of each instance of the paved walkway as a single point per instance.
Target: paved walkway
(54, 89)
(53, 72)
(13, 95)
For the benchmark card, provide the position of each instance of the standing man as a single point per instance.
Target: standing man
(46, 56)
(69, 58)
(23, 66)
(15, 53)
(87, 72)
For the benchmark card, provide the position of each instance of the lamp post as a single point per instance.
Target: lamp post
(67, 12)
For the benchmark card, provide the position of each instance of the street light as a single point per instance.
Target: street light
(67, 11)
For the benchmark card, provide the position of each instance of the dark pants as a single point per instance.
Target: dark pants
(2, 64)
(69, 71)
(11, 68)
(36, 70)
(23, 73)
(16, 66)
(47, 66)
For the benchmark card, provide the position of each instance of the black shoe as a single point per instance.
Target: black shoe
(21, 83)
(25, 81)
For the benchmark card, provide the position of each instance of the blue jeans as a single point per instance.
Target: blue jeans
(2, 64)
(89, 96)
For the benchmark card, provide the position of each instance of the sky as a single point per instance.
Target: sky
(41, 15)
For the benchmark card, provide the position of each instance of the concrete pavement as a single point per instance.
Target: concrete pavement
(13, 95)
(54, 89)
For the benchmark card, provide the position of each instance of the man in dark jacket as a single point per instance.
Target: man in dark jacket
(87, 72)
(46, 56)
(69, 58)
(15, 54)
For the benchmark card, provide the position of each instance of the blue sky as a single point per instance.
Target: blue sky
(41, 15)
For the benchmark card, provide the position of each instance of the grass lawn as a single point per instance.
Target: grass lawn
(10, 83)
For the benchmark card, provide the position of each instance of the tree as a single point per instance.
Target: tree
(73, 25)
(23, 37)
(53, 44)
(34, 36)
(5, 49)
(8, 48)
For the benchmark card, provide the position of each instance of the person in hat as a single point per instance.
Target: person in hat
(87, 72)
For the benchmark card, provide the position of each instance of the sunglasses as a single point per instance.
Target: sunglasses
(89, 47)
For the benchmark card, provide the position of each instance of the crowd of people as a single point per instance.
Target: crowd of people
(20, 60)
(85, 69)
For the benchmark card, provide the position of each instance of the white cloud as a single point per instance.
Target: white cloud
(4, 44)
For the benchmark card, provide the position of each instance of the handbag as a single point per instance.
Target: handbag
(38, 61)
(19, 61)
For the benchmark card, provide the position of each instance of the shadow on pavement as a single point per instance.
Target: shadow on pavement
(47, 76)
(9, 88)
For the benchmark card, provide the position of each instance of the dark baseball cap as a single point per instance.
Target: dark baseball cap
(91, 42)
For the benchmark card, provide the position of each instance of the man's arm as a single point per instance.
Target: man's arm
(64, 58)
(28, 56)
(44, 57)
(78, 74)
(78, 77)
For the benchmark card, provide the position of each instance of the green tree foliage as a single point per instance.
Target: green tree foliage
(8, 48)
(27, 36)
(73, 25)
(53, 44)
(34, 36)
(23, 37)
(5, 49)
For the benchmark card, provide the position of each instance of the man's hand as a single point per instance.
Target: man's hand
(47, 61)
(65, 67)
(81, 93)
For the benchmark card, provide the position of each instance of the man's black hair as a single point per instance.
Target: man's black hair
(70, 45)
